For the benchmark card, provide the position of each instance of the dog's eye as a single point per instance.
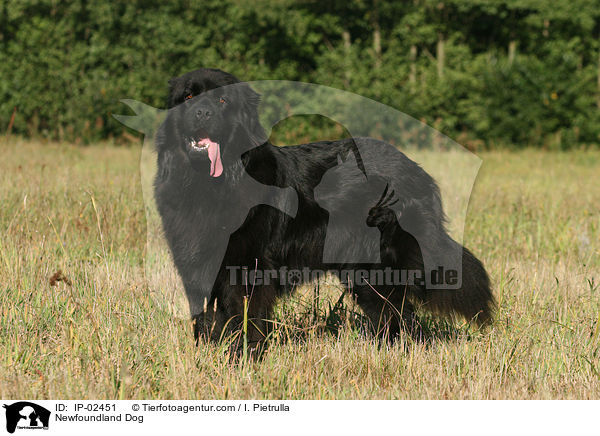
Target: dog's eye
(187, 97)
(222, 100)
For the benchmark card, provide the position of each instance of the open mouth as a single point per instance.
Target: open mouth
(212, 148)
(201, 144)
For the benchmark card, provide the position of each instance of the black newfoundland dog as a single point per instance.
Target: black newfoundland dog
(237, 211)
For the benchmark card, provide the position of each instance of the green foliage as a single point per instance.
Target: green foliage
(498, 71)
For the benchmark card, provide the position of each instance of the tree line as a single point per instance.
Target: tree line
(484, 72)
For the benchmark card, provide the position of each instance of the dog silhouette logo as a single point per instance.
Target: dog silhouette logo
(26, 415)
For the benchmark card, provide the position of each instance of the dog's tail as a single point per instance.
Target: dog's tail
(426, 244)
(473, 299)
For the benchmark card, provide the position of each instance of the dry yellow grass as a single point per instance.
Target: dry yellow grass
(533, 219)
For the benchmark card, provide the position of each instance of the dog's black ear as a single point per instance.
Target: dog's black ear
(249, 115)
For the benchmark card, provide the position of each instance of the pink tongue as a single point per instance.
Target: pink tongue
(214, 154)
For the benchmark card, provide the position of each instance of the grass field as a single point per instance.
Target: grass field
(534, 220)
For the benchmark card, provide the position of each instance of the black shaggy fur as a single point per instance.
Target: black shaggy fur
(194, 210)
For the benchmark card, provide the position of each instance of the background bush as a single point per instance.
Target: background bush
(519, 72)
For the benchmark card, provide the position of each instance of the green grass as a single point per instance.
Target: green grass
(533, 219)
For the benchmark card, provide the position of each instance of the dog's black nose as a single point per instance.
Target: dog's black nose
(203, 113)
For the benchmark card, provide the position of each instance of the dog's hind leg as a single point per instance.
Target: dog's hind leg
(388, 310)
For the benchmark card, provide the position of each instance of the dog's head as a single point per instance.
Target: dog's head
(212, 119)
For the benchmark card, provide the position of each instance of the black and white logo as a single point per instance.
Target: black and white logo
(26, 415)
